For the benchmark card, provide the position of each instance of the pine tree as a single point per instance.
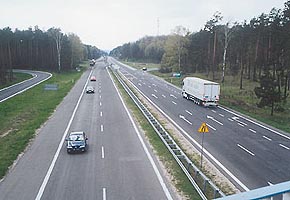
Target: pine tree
(268, 92)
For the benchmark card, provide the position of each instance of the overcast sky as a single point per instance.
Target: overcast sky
(110, 23)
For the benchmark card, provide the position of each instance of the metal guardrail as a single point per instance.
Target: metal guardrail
(277, 191)
(203, 185)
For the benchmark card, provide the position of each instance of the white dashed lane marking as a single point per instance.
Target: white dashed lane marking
(267, 138)
(103, 152)
(188, 112)
(285, 147)
(253, 131)
(153, 95)
(246, 150)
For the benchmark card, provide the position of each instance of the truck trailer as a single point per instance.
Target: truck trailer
(202, 92)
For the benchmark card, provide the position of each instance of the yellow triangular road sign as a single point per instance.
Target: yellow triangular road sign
(203, 128)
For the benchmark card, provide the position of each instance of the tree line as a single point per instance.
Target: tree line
(49, 50)
(258, 50)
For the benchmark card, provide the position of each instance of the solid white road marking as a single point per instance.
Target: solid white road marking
(252, 130)
(46, 178)
(221, 115)
(188, 112)
(267, 138)
(173, 102)
(213, 111)
(104, 194)
(246, 150)
(159, 177)
(103, 152)
(285, 147)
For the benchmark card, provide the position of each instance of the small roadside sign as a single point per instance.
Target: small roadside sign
(50, 87)
(203, 128)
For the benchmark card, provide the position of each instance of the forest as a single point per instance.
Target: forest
(36, 49)
(258, 50)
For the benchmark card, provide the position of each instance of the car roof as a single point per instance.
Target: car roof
(77, 133)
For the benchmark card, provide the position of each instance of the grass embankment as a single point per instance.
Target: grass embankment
(244, 101)
(17, 78)
(180, 180)
(23, 114)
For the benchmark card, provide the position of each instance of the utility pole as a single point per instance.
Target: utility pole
(157, 26)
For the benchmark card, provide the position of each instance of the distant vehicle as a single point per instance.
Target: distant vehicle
(90, 89)
(144, 68)
(76, 142)
(92, 62)
(202, 92)
(93, 78)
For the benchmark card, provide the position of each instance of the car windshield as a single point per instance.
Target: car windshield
(76, 138)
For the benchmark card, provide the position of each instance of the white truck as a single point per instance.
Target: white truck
(202, 92)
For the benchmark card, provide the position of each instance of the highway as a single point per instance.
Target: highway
(37, 78)
(250, 154)
(118, 164)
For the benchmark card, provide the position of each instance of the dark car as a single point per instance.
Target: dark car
(90, 89)
(93, 78)
(76, 142)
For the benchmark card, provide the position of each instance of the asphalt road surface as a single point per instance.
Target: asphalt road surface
(117, 165)
(251, 154)
(11, 91)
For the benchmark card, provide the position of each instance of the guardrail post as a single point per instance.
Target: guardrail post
(286, 196)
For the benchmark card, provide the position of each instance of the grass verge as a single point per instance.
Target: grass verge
(179, 179)
(23, 114)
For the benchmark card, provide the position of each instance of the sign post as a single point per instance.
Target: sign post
(202, 129)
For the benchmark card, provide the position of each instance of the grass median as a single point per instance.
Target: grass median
(178, 177)
(23, 114)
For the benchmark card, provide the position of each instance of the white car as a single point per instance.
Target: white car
(90, 89)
